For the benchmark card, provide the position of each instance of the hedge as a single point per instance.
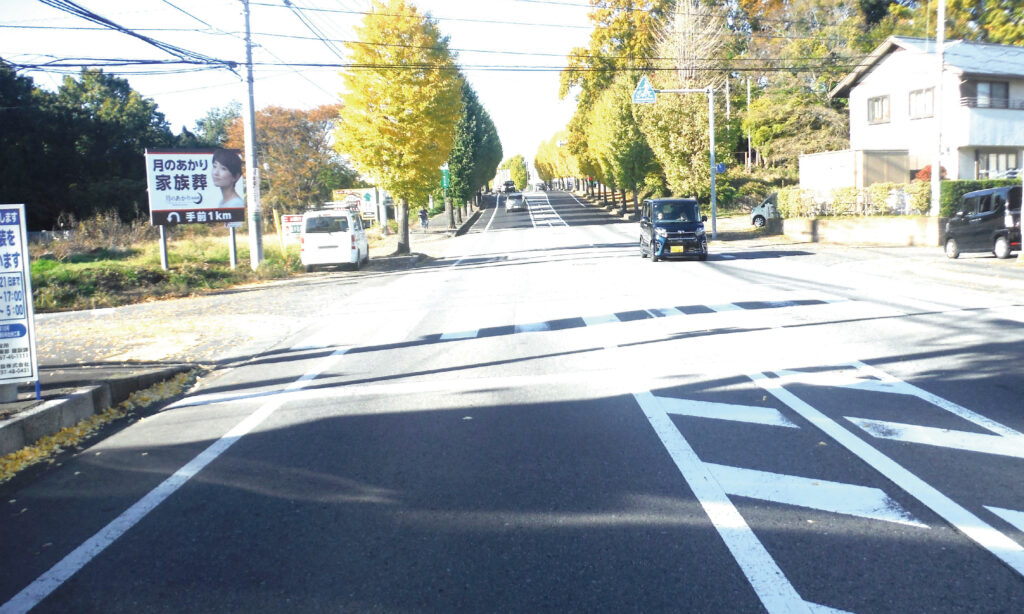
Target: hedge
(881, 198)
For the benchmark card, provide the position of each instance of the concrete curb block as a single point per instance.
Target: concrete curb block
(30, 426)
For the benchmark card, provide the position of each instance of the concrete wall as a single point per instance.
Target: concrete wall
(893, 231)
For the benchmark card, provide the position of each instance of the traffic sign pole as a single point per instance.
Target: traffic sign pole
(645, 94)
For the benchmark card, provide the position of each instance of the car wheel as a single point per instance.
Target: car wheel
(366, 260)
(308, 268)
(704, 253)
(952, 248)
(654, 257)
(759, 221)
(1001, 248)
(643, 252)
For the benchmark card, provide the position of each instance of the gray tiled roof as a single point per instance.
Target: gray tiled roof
(973, 58)
(981, 59)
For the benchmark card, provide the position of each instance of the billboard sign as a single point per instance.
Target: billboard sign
(17, 328)
(195, 186)
(365, 199)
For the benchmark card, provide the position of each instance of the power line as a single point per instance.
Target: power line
(182, 54)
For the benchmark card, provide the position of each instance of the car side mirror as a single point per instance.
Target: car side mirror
(703, 218)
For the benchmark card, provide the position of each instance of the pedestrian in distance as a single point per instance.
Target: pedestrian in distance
(424, 220)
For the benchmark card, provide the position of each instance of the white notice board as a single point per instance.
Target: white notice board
(17, 329)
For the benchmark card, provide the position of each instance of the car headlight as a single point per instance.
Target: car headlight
(700, 232)
(661, 232)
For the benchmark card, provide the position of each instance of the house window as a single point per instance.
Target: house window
(996, 164)
(986, 94)
(993, 94)
(921, 102)
(878, 110)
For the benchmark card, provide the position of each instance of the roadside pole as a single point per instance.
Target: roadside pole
(936, 178)
(163, 247)
(252, 184)
(646, 94)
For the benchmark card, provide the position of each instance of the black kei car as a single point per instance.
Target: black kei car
(672, 228)
(986, 221)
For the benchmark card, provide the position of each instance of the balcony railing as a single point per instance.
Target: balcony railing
(993, 103)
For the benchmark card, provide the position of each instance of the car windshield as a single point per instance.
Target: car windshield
(681, 211)
(327, 224)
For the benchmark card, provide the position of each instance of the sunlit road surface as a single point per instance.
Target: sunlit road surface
(545, 421)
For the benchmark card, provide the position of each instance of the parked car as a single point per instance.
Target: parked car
(332, 237)
(515, 202)
(671, 228)
(767, 210)
(986, 220)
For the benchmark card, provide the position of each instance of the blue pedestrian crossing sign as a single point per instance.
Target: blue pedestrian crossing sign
(644, 93)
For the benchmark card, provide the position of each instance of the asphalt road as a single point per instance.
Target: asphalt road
(542, 420)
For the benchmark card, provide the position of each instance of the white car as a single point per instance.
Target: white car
(332, 237)
(515, 202)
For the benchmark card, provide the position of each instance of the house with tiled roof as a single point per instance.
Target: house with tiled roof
(893, 98)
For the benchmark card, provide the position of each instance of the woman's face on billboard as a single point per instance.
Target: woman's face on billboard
(222, 177)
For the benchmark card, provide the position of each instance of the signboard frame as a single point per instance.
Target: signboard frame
(14, 262)
(182, 186)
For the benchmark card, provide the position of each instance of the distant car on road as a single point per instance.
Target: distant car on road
(510, 186)
(515, 202)
(671, 228)
(767, 210)
(986, 220)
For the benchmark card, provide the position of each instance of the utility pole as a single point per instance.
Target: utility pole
(940, 40)
(252, 181)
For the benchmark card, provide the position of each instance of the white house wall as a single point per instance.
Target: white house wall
(895, 76)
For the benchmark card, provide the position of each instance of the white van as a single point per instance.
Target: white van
(332, 237)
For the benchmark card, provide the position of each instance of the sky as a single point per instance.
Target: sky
(490, 38)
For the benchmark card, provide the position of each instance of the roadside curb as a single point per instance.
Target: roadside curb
(74, 405)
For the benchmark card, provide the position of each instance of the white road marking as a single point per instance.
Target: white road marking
(578, 201)
(751, 414)
(1004, 548)
(50, 580)
(532, 327)
(669, 311)
(465, 334)
(1011, 516)
(932, 436)
(769, 582)
(725, 307)
(603, 319)
(727, 256)
(835, 497)
(862, 376)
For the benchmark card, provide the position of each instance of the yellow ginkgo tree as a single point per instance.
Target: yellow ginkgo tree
(401, 104)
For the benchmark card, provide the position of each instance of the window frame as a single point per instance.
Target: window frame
(884, 108)
(919, 95)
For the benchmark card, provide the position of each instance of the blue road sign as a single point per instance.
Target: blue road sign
(644, 93)
(720, 167)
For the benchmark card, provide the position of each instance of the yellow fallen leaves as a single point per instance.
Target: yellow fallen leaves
(50, 445)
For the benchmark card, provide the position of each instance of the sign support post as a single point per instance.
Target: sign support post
(163, 247)
(646, 94)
